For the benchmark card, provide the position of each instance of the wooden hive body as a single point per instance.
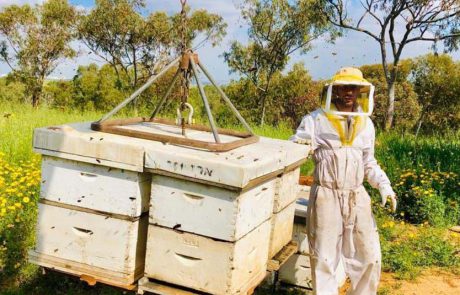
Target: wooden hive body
(209, 210)
(281, 229)
(101, 188)
(205, 264)
(95, 240)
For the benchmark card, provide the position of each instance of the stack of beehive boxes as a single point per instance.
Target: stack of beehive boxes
(297, 270)
(283, 210)
(209, 238)
(92, 220)
(210, 214)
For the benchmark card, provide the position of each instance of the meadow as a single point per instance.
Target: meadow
(424, 172)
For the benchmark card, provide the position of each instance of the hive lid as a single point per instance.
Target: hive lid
(236, 168)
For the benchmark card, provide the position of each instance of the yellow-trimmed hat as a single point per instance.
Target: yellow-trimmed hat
(349, 75)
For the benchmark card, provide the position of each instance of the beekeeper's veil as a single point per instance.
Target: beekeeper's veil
(349, 76)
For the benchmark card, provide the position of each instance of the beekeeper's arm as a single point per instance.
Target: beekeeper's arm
(376, 177)
(304, 133)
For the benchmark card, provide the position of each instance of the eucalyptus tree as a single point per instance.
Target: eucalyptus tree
(35, 40)
(394, 24)
(277, 29)
(133, 42)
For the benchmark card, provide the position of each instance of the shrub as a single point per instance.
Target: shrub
(19, 190)
(407, 249)
(431, 196)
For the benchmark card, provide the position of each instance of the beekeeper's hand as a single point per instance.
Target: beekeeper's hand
(393, 200)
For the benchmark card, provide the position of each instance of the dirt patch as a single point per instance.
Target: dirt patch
(433, 281)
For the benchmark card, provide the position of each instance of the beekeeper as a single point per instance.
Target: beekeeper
(340, 222)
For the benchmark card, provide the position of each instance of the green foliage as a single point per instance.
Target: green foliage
(406, 250)
(429, 196)
(12, 90)
(407, 108)
(98, 88)
(134, 44)
(276, 30)
(38, 38)
(436, 81)
(424, 174)
(290, 97)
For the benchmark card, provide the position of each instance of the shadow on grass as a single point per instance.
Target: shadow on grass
(60, 284)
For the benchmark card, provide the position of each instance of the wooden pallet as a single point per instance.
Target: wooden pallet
(87, 273)
(282, 256)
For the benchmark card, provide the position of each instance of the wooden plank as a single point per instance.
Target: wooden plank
(90, 160)
(89, 274)
(282, 256)
(115, 128)
(91, 211)
(160, 288)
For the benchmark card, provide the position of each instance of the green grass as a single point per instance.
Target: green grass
(17, 122)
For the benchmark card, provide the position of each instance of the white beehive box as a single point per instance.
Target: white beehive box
(94, 240)
(238, 168)
(281, 229)
(96, 187)
(206, 264)
(286, 189)
(209, 210)
(297, 271)
(299, 234)
(196, 261)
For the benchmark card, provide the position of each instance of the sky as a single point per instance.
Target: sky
(353, 49)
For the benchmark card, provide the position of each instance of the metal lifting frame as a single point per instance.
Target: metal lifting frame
(187, 62)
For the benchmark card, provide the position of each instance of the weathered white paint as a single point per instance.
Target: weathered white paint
(103, 275)
(96, 187)
(234, 168)
(79, 139)
(89, 160)
(295, 151)
(91, 239)
(299, 234)
(208, 210)
(296, 271)
(205, 264)
(281, 229)
(286, 189)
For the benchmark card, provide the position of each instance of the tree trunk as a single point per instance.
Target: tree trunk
(391, 105)
(35, 99)
(36, 92)
(262, 117)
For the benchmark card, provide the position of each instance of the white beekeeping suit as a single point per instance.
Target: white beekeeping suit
(340, 222)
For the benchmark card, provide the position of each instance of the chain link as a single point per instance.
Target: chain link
(185, 77)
